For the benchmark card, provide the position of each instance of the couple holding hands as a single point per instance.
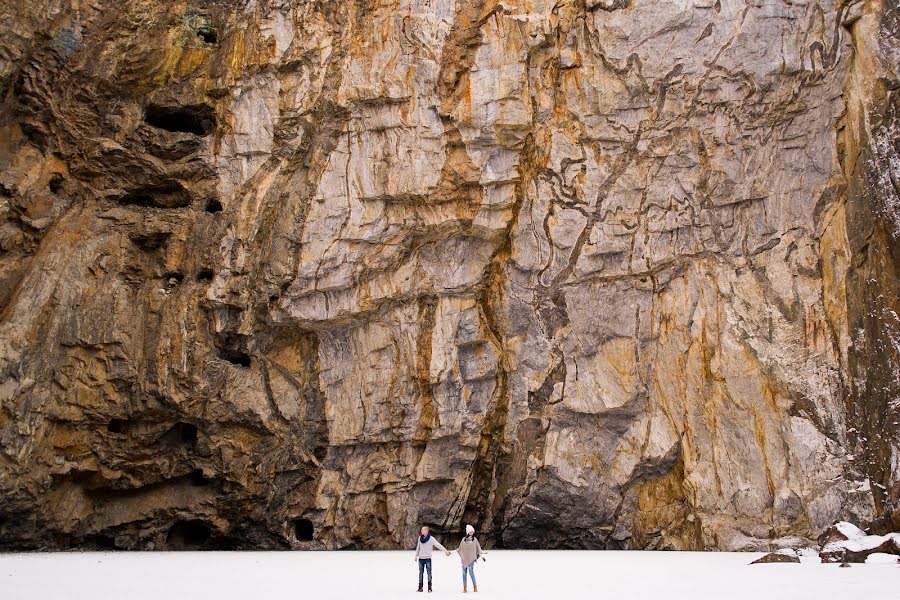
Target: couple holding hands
(469, 551)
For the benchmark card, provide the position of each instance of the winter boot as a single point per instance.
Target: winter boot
(474, 588)
(420, 587)
(464, 589)
(429, 587)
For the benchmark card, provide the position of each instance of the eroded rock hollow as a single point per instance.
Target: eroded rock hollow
(582, 273)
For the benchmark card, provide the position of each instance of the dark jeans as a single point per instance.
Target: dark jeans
(424, 563)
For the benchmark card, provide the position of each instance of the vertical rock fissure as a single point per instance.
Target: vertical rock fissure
(869, 160)
(424, 340)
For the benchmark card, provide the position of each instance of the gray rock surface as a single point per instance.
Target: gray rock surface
(584, 274)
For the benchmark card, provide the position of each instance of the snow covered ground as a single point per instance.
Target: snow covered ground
(507, 574)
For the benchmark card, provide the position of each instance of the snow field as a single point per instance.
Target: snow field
(507, 574)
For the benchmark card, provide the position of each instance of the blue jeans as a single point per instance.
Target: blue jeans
(425, 563)
(471, 571)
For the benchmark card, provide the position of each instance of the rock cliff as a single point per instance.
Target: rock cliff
(583, 273)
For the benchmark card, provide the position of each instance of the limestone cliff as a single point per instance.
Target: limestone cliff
(583, 273)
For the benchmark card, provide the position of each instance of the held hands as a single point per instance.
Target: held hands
(447, 552)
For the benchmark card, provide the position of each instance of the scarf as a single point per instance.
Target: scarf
(425, 538)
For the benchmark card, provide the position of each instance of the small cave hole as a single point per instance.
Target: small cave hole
(117, 426)
(207, 34)
(181, 434)
(168, 194)
(150, 242)
(213, 206)
(56, 183)
(233, 348)
(198, 119)
(236, 357)
(198, 479)
(303, 530)
(204, 276)
(187, 533)
(185, 433)
(101, 541)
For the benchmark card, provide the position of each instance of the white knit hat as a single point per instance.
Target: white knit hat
(469, 530)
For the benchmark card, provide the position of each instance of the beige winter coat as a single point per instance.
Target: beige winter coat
(469, 550)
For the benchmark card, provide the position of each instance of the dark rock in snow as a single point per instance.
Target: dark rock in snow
(777, 557)
(858, 549)
(839, 532)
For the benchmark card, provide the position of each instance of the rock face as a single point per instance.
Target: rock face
(583, 273)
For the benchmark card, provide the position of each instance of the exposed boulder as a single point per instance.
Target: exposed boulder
(780, 556)
(858, 548)
(840, 532)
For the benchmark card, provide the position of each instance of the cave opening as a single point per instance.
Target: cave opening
(213, 206)
(207, 34)
(117, 426)
(101, 541)
(197, 119)
(204, 275)
(198, 479)
(185, 433)
(56, 183)
(150, 242)
(188, 533)
(303, 530)
(180, 434)
(168, 194)
(236, 357)
(232, 347)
